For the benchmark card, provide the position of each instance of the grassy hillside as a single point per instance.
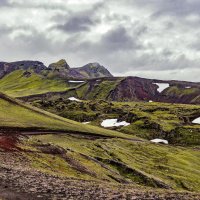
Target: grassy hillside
(115, 161)
(24, 83)
(15, 114)
(148, 120)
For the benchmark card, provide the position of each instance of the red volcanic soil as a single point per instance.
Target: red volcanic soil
(8, 143)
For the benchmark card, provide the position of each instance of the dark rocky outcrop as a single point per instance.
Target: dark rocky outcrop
(6, 68)
(133, 88)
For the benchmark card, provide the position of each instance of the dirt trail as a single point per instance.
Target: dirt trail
(21, 184)
(85, 135)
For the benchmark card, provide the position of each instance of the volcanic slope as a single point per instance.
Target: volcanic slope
(130, 89)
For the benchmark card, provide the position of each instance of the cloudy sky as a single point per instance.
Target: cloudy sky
(148, 38)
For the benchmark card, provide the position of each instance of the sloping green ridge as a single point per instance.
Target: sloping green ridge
(15, 114)
(17, 84)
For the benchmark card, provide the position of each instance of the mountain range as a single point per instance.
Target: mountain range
(58, 69)
(92, 81)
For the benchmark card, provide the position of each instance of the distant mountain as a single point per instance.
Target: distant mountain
(6, 68)
(140, 89)
(93, 70)
(92, 81)
(58, 69)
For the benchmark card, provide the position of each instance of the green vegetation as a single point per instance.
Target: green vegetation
(174, 90)
(23, 83)
(100, 89)
(148, 120)
(119, 160)
(14, 114)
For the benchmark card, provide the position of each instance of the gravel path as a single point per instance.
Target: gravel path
(24, 184)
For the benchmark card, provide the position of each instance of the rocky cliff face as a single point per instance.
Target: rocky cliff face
(133, 88)
(6, 68)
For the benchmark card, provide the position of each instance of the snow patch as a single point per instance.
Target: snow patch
(76, 81)
(188, 87)
(150, 101)
(196, 121)
(113, 122)
(86, 122)
(162, 86)
(160, 141)
(74, 99)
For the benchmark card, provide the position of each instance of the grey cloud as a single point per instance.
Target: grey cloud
(27, 4)
(77, 23)
(119, 39)
(5, 30)
(4, 3)
(170, 7)
(167, 53)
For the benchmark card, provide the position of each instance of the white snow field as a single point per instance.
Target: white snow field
(74, 99)
(86, 122)
(196, 121)
(162, 86)
(113, 122)
(76, 81)
(160, 141)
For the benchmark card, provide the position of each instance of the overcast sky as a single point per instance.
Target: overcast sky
(147, 38)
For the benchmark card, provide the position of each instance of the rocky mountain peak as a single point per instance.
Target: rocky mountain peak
(61, 64)
(96, 70)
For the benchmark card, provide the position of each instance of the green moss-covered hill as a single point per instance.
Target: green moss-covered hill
(127, 89)
(15, 115)
(147, 120)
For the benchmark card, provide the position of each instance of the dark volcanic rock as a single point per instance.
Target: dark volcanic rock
(6, 68)
(133, 89)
